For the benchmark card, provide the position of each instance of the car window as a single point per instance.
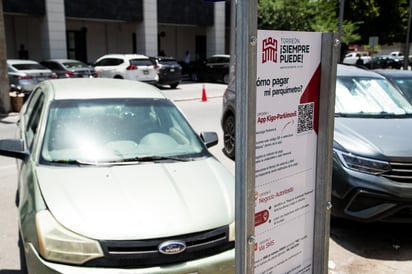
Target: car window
(74, 65)
(222, 60)
(28, 66)
(212, 60)
(102, 131)
(369, 96)
(51, 65)
(33, 115)
(169, 62)
(109, 62)
(141, 62)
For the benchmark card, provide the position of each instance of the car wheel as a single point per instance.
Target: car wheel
(195, 77)
(118, 77)
(229, 131)
(174, 85)
(226, 78)
(23, 265)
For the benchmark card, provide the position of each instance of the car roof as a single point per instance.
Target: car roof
(221, 55)
(62, 60)
(163, 58)
(348, 70)
(20, 61)
(99, 88)
(127, 56)
(395, 73)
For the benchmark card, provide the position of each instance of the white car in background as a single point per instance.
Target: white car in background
(351, 57)
(135, 67)
(25, 74)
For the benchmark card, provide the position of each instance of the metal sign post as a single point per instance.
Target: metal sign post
(283, 173)
(246, 38)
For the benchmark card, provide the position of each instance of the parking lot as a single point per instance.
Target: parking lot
(354, 247)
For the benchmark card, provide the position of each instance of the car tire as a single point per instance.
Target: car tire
(226, 78)
(174, 85)
(229, 134)
(118, 77)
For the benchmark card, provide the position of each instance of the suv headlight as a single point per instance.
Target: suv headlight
(58, 244)
(361, 164)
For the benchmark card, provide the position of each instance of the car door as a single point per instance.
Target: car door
(107, 67)
(30, 131)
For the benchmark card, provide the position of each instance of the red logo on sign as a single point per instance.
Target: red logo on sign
(261, 217)
(269, 50)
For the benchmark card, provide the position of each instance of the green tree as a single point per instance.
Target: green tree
(305, 15)
(382, 18)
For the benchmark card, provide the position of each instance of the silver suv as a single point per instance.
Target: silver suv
(127, 66)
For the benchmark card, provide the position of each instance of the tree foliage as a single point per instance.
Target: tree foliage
(386, 19)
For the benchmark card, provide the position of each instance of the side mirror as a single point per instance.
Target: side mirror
(209, 138)
(13, 148)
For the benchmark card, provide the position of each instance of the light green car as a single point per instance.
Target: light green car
(113, 179)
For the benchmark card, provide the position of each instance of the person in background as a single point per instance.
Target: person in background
(186, 62)
(359, 61)
(23, 53)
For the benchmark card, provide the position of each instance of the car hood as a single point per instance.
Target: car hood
(143, 201)
(385, 138)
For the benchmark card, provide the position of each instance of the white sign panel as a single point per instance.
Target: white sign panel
(287, 103)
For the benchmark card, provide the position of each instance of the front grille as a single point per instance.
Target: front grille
(145, 253)
(401, 172)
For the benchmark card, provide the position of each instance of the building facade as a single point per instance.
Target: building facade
(86, 30)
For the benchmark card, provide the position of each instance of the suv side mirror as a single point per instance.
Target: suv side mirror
(209, 138)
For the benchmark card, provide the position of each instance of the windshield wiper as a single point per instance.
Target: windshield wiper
(72, 162)
(154, 158)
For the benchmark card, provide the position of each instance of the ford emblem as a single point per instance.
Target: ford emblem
(172, 247)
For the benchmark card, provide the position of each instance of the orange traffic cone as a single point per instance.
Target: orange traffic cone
(204, 97)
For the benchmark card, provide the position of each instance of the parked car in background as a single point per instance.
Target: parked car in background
(215, 69)
(25, 74)
(385, 62)
(69, 68)
(228, 121)
(127, 66)
(113, 179)
(402, 79)
(169, 70)
(372, 148)
(351, 57)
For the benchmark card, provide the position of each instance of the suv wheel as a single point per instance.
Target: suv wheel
(229, 132)
(174, 85)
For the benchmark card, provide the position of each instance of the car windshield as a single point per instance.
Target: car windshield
(367, 96)
(405, 84)
(117, 131)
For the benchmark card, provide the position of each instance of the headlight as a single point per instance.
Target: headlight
(58, 244)
(362, 164)
(232, 232)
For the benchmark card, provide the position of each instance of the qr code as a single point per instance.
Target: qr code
(305, 117)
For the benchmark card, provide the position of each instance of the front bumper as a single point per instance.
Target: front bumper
(222, 263)
(369, 198)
